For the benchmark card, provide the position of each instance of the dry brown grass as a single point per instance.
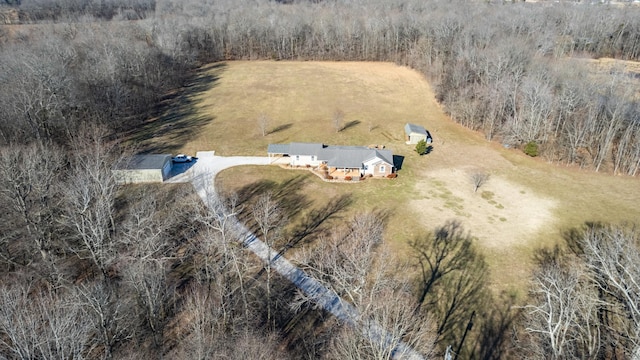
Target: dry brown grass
(526, 203)
(603, 68)
(301, 99)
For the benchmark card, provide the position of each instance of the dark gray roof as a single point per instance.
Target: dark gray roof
(413, 128)
(385, 155)
(305, 148)
(353, 156)
(335, 155)
(347, 156)
(278, 149)
(146, 162)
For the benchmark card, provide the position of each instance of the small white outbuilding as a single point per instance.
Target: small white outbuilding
(414, 133)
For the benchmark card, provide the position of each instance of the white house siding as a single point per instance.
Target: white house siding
(414, 138)
(369, 166)
(304, 160)
(377, 167)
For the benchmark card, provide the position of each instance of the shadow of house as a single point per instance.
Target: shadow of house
(179, 168)
(398, 160)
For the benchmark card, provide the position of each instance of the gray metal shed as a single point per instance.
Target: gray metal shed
(144, 169)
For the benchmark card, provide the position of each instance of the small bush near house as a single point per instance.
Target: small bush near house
(531, 149)
(392, 176)
(421, 147)
(329, 177)
(348, 178)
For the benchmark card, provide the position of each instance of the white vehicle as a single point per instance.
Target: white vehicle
(182, 158)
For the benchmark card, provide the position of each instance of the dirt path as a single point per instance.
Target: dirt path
(501, 213)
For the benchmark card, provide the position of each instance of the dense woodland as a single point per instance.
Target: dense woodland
(90, 270)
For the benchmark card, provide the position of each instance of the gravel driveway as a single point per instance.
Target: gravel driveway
(208, 165)
(202, 173)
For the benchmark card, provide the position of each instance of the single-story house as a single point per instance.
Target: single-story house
(339, 160)
(144, 169)
(414, 133)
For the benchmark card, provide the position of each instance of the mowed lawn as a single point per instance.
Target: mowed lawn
(527, 203)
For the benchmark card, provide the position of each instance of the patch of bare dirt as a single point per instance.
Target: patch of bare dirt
(500, 214)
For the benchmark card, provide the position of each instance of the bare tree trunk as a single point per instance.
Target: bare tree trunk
(270, 218)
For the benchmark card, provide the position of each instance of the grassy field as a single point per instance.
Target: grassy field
(525, 204)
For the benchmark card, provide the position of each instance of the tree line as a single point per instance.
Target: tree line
(584, 296)
(30, 11)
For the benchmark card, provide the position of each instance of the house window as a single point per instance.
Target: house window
(382, 168)
(297, 157)
(313, 158)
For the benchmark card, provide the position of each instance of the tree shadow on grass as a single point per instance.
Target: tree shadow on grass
(176, 119)
(428, 150)
(312, 223)
(279, 128)
(350, 124)
(297, 209)
(496, 324)
(286, 193)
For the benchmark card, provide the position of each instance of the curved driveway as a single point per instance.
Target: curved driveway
(202, 174)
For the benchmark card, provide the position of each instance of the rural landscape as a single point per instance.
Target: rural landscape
(512, 233)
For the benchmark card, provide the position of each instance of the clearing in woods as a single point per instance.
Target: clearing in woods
(526, 203)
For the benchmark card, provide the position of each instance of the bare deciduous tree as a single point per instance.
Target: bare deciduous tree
(206, 325)
(269, 218)
(478, 179)
(90, 198)
(111, 314)
(263, 123)
(354, 263)
(221, 252)
(39, 323)
(212, 333)
(345, 257)
(613, 257)
(144, 230)
(564, 314)
(30, 190)
(390, 307)
(148, 281)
